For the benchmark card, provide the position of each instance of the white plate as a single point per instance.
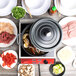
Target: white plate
(71, 41)
(72, 57)
(26, 64)
(13, 52)
(37, 7)
(15, 31)
(6, 6)
(69, 4)
(65, 10)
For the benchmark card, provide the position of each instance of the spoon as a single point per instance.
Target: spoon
(27, 8)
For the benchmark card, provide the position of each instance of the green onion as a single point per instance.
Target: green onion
(18, 12)
(58, 68)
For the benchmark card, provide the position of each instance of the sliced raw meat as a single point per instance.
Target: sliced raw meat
(69, 30)
(6, 37)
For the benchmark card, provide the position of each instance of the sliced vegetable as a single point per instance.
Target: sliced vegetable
(58, 68)
(8, 59)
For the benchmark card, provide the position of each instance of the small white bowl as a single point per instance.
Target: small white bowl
(20, 7)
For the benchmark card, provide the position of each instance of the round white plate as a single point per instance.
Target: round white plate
(15, 31)
(6, 6)
(65, 10)
(26, 64)
(71, 41)
(13, 52)
(37, 7)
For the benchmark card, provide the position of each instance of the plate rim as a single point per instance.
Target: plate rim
(36, 10)
(65, 12)
(3, 13)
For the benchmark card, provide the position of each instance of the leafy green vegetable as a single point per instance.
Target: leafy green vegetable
(18, 12)
(58, 68)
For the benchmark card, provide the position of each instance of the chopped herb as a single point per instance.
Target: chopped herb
(18, 12)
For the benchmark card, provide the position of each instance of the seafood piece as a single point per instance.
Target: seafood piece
(6, 27)
(26, 43)
(24, 36)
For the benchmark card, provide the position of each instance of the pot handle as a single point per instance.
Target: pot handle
(18, 39)
(52, 53)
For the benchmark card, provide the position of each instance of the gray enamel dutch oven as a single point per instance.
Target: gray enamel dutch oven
(45, 34)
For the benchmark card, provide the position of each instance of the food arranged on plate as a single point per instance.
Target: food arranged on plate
(68, 25)
(26, 70)
(8, 32)
(57, 69)
(66, 55)
(69, 30)
(6, 27)
(18, 12)
(9, 59)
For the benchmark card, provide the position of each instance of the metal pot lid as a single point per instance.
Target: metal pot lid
(45, 34)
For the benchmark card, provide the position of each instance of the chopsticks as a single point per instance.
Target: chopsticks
(58, 6)
(27, 8)
(39, 69)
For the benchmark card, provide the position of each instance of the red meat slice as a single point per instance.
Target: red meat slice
(6, 37)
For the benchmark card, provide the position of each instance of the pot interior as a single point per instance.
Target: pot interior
(27, 50)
